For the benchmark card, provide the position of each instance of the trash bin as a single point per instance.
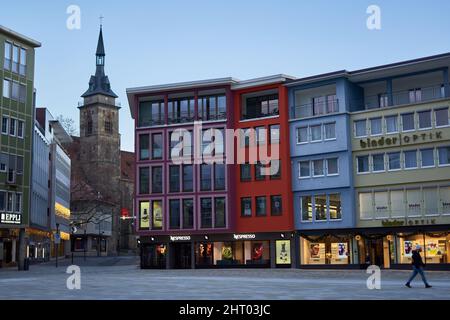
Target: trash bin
(26, 264)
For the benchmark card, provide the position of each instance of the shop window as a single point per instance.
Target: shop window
(320, 207)
(283, 252)
(397, 204)
(261, 209)
(276, 205)
(157, 215)
(414, 202)
(306, 208)
(188, 213)
(204, 254)
(144, 215)
(206, 213)
(365, 205)
(328, 251)
(246, 207)
(431, 201)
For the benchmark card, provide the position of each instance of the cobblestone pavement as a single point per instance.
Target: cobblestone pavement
(120, 278)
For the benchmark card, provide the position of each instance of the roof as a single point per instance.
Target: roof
(21, 37)
(127, 165)
(100, 47)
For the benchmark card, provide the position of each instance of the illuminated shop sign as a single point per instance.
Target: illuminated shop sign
(11, 218)
(400, 140)
(180, 238)
(62, 211)
(244, 236)
(409, 222)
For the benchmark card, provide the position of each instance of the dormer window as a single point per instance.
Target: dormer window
(100, 60)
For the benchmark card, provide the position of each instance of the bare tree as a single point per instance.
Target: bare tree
(68, 125)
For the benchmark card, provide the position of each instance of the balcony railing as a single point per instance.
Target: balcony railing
(397, 98)
(316, 109)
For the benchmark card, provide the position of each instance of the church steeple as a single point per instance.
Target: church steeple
(99, 84)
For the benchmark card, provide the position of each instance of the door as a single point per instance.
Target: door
(376, 252)
(182, 255)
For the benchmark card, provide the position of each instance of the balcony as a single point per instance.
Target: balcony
(181, 117)
(398, 98)
(316, 109)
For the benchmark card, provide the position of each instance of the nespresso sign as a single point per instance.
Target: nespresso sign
(10, 218)
(244, 236)
(180, 238)
(401, 139)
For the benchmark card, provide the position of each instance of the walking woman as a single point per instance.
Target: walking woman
(418, 265)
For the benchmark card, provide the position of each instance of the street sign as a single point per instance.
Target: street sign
(57, 238)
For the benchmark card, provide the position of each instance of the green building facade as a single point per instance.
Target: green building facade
(16, 136)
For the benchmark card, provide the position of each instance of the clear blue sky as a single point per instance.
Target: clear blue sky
(160, 41)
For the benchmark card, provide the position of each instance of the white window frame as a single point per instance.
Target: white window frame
(381, 124)
(399, 160)
(439, 158)
(337, 167)
(300, 172)
(404, 159)
(418, 120)
(371, 165)
(435, 120)
(10, 88)
(11, 119)
(7, 125)
(355, 131)
(298, 134)
(421, 159)
(414, 121)
(312, 208)
(397, 121)
(311, 135)
(23, 128)
(313, 166)
(325, 131)
(357, 164)
(15, 202)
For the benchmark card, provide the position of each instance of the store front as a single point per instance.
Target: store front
(217, 251)
(39, 245)
(9, 239)
(327, 251)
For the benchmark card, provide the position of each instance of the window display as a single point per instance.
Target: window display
(283, 252)
(434, 248)
(325, 251)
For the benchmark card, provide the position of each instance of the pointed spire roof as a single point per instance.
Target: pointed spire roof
(100, 46)
(99, 83)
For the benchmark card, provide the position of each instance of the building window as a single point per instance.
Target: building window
(306, 208)
(304, 169)
(157, 215)
(335, 206)
(144, 180)
(245, 170)
(144, 147)
(205, 177)
(261, 134)
(15, 59)
(108, 126)
(20, 128)
(275, 206)
(206, 213)
(410, 159)
(4, 159)
(89, 127)
(262, 106)
(260, 171)
(174, 179)
(332, 167)
(23, 62)
(157, 181)
(151, 113)
(181, 110)
(275, 134)
(19, 165)
(261, 209)
(394, 161)
(413, 202)
(318, 168)
(302, 135)
(219, 176)
(408, 122)
(212, 107)
(363, 164)
(320, 207)
(5, 121)
(442, 117)
(22, 93)
(444, 156)
(375, 126)
(427, 158)
(275, 169)
(9, 203)
(381, 201)
(7, 61)
(18, 203)
(378, 162)
(12, 127)
(383, 100)
(15, 92)
(6, 88)
(330, 131)
(361, 128)
(246, 207)
(157, 146)
(2, 200)
(365, 205)
(425, 119)
(316, 133)
(174, 214)
(188, 182)
(391, 124)
(188, 213)
(219, 213)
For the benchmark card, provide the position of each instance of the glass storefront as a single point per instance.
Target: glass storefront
(154, 256)
(327, 250)
(434, 247)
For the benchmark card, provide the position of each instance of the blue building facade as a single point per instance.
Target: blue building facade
(321, 160)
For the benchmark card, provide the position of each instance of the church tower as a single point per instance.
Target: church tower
(99, 131)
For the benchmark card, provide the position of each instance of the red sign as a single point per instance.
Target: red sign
(124, 213)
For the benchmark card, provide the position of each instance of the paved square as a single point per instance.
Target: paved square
(121, 278)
